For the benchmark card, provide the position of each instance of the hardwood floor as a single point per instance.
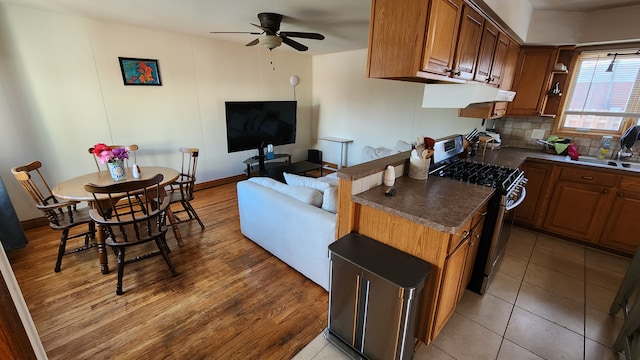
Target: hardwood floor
(230, 300)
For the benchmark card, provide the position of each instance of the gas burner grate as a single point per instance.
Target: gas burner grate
(498, 177)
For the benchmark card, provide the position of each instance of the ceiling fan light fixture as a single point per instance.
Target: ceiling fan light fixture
(270, 41)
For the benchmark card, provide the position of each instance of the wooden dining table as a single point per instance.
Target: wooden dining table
(73, 189)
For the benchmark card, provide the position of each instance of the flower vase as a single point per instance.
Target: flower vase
(117, 170)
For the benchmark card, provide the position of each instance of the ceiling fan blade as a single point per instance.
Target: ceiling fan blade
(265, 29)
(234, 32)
(306, 35)
(294, 44)
(254, 42)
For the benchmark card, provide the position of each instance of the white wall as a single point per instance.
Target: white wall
(583, 28)
(61, 91)
(372, 112)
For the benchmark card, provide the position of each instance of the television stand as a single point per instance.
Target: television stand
(254, 161)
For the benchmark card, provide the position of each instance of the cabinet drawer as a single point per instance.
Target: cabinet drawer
(457, 238)
(630, 183)
(587, 176)
(479, 216)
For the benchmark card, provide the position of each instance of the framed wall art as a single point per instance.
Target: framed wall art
(140, 71)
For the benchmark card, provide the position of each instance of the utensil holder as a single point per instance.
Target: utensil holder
(419, 168)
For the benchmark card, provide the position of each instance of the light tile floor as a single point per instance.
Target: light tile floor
(550, 299)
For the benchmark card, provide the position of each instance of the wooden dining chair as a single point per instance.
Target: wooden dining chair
(181, 191)
(139, 221)
(62, 215)
(132, 149)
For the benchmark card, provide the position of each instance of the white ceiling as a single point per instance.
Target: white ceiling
(343, 22)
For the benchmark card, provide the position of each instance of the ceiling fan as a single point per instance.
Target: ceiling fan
(272, 37)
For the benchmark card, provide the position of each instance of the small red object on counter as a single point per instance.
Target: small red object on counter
(573, 152)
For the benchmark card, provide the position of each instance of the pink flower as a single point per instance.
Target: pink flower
(107, 154)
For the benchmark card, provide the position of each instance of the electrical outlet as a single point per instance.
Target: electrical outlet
(537, 134)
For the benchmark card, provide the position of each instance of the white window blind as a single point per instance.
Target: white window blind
(601, 100)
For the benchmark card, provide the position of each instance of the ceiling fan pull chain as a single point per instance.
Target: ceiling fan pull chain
(273, 67)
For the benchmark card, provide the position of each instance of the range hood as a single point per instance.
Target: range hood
(462, 95)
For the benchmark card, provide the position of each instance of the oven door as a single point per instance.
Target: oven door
(501, 233)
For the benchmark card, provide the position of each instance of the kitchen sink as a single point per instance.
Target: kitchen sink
(607, 162)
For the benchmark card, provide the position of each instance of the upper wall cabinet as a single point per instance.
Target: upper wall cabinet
(471, 24)
(441, 36)
(427, 41)
(535, 77)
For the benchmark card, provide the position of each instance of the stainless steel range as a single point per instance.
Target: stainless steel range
(510, 192)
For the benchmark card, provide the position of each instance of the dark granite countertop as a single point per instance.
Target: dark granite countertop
(442, 204)
(439, 203)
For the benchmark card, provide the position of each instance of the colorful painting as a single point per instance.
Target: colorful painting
(140, 71)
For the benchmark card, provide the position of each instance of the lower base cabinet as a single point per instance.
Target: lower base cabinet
(584, 203)
(578, 210)
(623, 226)
(373, 297)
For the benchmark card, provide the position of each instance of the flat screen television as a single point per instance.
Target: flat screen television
(255, 124)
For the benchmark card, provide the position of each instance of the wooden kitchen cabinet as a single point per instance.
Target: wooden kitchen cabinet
(450, 285)
(473, 243)
(622, 230)
(539, 187)
(504, 80)
(426, 41)
(441, 36)
(486, 55)
(531, 80)
(469, 37)
(580, 203)
(554, 101)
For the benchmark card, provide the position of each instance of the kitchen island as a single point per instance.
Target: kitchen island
(437, 220)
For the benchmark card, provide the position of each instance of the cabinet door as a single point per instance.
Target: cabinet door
(452, 276)
(509, 69)
(474, 241)
(578, 210)
(531, 80)
(396, 35)
(486, 53)
(622, 231)
(441, 36)
(471, 25)
(531, 212)
(499, 61)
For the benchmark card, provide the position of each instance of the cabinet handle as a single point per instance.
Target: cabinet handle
(453, 72)
(605, 191)
(465, 235)
(483, 214)
(587, 177)
(620, 194)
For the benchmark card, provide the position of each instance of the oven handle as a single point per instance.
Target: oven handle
(523, 195)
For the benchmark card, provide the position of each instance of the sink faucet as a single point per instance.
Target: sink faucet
(624, 154)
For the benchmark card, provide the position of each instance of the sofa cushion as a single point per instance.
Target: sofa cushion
(330, 200)
(331, 179)
(306, 195)
(297, 180)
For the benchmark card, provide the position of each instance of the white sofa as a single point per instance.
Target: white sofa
(282, 219)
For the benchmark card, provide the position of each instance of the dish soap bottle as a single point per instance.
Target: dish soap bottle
(605, 145)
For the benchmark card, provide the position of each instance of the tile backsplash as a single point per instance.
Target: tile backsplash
(516, 132)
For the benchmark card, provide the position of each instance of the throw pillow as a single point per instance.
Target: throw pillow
(330, 200)
(331, 179)
(297, 180)
(306, 195)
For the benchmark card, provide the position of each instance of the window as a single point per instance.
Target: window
(604, 95)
